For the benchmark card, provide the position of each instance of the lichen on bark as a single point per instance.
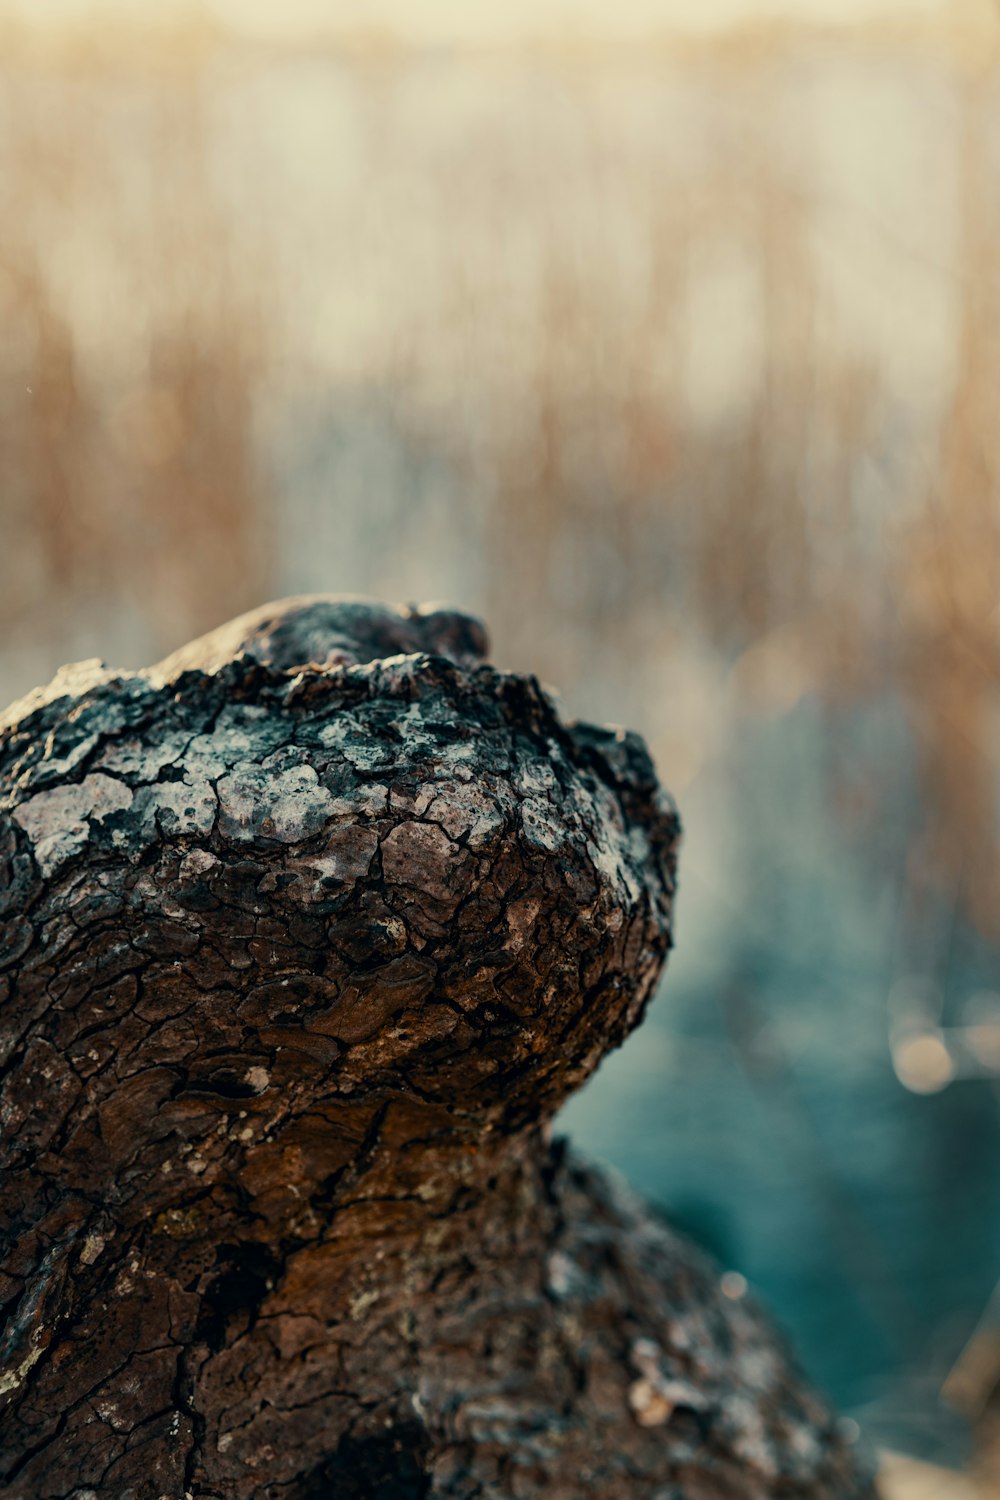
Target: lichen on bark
(304, 936)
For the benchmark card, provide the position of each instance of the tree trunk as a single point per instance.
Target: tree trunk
(304, 936)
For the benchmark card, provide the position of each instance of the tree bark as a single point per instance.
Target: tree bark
(304, 936)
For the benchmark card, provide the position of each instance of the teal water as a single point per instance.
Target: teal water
(760, 1108)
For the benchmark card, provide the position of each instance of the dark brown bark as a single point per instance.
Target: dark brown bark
(304, 935)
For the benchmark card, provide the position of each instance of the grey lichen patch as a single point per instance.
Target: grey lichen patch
(541, 810)
(58, 821)
(130, 758)
(365, 754)
(176, 807)
(475, 813)
(346, 857)
(257, 802)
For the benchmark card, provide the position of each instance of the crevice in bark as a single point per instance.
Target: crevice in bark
(389, 1465)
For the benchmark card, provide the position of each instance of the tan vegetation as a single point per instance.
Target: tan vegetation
(679, 359)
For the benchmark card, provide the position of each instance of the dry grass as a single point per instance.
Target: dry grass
(631, 324)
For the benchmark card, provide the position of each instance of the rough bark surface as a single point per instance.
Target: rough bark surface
(304, 935)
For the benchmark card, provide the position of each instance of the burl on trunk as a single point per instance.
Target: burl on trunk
(304, 935)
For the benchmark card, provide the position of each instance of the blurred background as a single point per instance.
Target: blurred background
(668, 339)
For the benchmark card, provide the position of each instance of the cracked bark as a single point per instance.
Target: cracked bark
(304, 935)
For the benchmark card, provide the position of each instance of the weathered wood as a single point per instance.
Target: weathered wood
(304, 935)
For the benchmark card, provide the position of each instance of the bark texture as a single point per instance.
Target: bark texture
(304, 935)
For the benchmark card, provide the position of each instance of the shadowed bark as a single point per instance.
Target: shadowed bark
(304, 935)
